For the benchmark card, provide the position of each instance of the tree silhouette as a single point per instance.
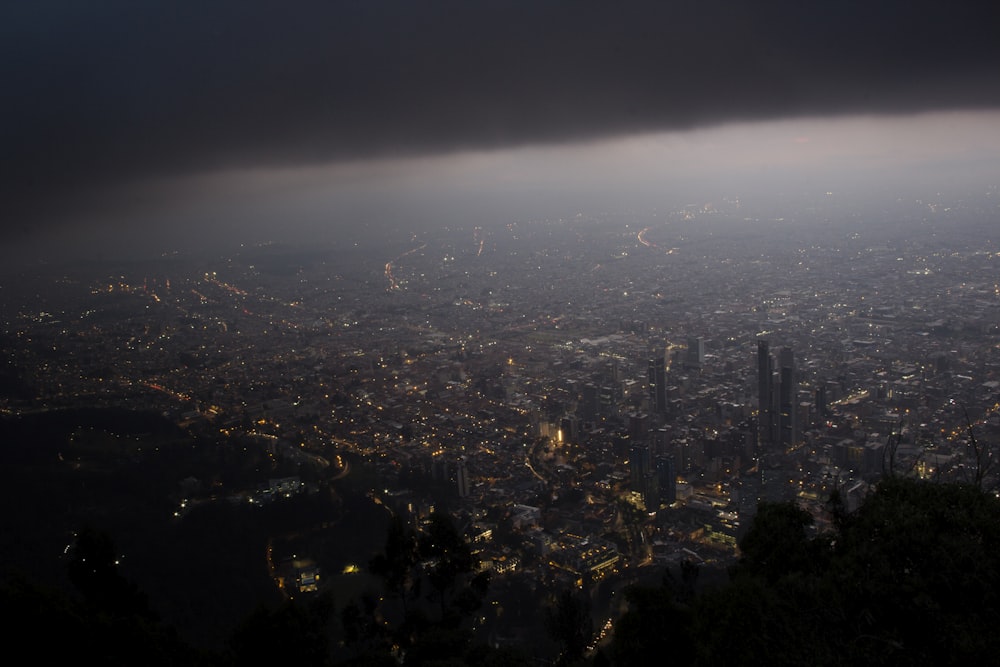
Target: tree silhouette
(362, 630)
(568, 621)
(777, 542)
(437, 558)
(93, 569)
(449, 556)
(658, 623)
(293, 633)
(395, 564)
(910, 578)
(982, 455)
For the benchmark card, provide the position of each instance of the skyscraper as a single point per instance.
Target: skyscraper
(589, 406)
(788, 392)
(695, 356)
(657, 375)
(821, 401)
(639, 467)
(765, 393)
(666, 470)
(651, 492)
(462, 479)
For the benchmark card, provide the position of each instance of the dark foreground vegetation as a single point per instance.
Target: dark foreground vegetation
(911, 578)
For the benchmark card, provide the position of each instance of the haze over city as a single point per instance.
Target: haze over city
(143, 126)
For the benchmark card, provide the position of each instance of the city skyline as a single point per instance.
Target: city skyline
(577, 395)
(423, 323)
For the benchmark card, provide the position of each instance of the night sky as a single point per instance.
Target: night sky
(128, 118)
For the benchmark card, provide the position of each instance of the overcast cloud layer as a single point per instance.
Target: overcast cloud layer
(104, 92)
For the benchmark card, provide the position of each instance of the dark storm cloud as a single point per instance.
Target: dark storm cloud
(99, 92)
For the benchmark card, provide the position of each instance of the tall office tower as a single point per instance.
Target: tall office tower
(569, 428)
(765, 390)
(821, 401)
(666, 471)
(638, 425)
(651, 497)
(787, 404)
(607, 401)
(439, 469)
(660, 441)
(695, 356)
(657, 374)
(746, 442)
(588, 408)
(462, 479)
(639, 466)
(614, 371)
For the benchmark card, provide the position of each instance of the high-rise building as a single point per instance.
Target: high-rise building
(666, 471)
(589, 405)
(440, 469)
(657, 375)
(746, 442)
(765, 393)
(607, 401)
(651, 497)
(787, 400)
(639, 466)
(660, 441)
(569, 429)
(638, 425)
(695, 356)
(821, 409)
(462, 478)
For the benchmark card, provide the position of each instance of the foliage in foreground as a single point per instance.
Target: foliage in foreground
(911, 578)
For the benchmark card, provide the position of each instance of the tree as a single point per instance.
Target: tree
(362, 630)
(61, 629)
(910, 578)
(450, 558)
(919, 567)
(93, 569)
(395, 564)
(658, 623)
(982, 456)
(777, 542)
(568, 621)
(294, 633)
(438, 558)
